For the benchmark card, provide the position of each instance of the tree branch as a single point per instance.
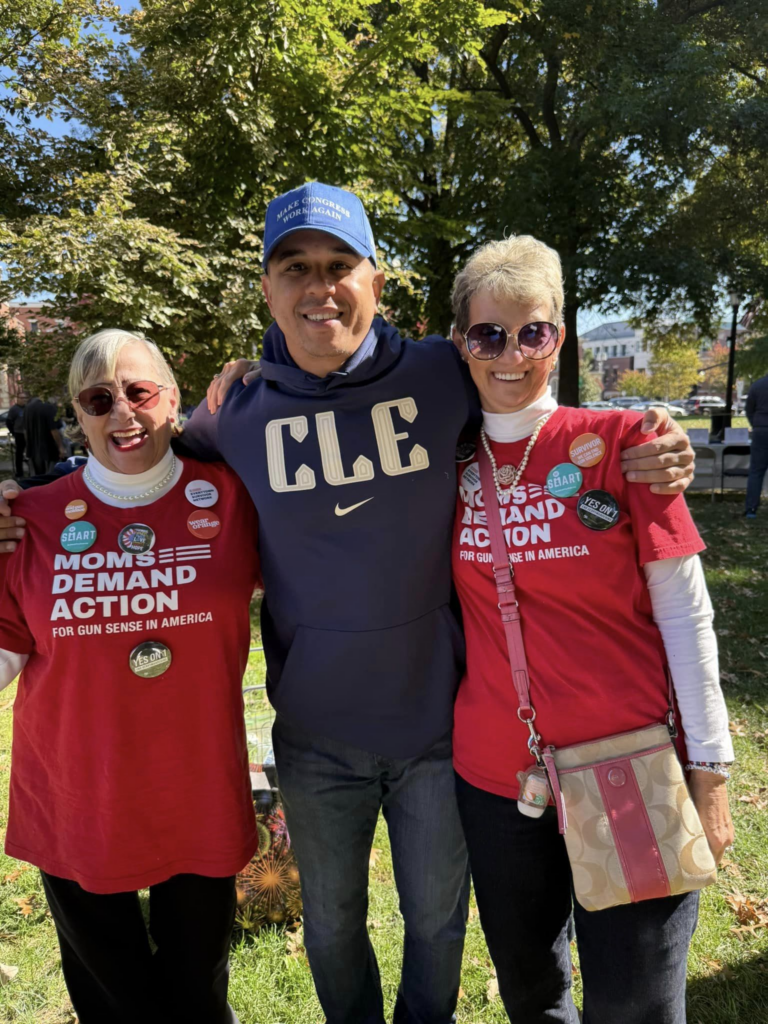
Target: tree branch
(548, 101)
(762, 82)
(490, 56)
(683, 10)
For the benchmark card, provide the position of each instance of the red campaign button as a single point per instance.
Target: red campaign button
(204, 523)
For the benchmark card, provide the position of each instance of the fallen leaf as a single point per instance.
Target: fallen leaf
(738, 728)
(295, 944)
(492, 988)
(25, 905)
(473, 913)
(731, 868)
(7, 704)
(375, 854)
(17, 873)
(750, 914)
(758, 799)
(720, 971)
(7, 973)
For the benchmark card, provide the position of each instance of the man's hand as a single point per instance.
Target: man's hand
(11, 527)
(667, 462)
(223, 381)
(710, 795)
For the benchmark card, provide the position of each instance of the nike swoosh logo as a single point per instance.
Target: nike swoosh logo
(343, 511)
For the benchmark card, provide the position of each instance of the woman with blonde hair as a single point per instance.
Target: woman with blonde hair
(126, 610)
(580, 595)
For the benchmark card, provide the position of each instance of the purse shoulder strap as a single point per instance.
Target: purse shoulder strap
(505, 586)
(503, 575)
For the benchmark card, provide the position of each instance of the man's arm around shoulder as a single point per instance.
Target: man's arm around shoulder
(200, 437)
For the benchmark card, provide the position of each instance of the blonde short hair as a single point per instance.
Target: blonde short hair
(96, 357)
(520, 268)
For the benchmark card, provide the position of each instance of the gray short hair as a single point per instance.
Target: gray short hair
(519, 267)
(96, 357)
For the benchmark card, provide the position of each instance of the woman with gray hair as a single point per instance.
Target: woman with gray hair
(580, 594)
(127, 612)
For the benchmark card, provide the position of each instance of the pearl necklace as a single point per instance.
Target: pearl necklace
(132, 497)
(517, 473)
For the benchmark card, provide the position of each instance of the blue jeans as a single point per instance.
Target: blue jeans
(632, 957)
(332, 794)
(758, 465)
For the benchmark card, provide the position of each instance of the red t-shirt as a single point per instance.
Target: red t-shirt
(595, 656)
(120, 780)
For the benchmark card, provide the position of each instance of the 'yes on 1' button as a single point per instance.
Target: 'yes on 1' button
(598, 510)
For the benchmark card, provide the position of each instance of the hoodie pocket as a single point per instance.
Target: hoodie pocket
(386, 690)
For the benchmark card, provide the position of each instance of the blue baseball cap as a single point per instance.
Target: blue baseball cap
(323, 208)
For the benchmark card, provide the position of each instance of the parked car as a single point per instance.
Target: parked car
(706, 404)
(625, 401)
(597, 405)
(672, 409)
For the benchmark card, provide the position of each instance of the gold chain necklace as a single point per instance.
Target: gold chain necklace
(517, 473)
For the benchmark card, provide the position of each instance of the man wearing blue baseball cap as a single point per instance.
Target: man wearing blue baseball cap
(347, 442)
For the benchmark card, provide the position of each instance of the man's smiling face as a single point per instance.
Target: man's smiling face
(323, 296)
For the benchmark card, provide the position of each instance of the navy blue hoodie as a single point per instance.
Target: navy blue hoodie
(354, 479)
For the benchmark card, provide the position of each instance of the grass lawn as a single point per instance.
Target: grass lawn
(686, 422)
(271, 983)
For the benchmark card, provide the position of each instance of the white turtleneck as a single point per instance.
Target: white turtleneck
(681, 609)
(506, 427)
(128, 486)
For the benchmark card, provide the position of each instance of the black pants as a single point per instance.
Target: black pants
(19, 444)
(632, 957)
(111, 973)
(758, 466)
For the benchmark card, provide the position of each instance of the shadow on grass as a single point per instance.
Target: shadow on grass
(735, 995)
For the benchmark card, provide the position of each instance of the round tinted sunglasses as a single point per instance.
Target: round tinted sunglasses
(139, 394)
(535, 341)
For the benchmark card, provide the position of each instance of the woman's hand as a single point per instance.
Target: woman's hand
(710, 795)
(667, 462)
(222, 382)
(11, 527)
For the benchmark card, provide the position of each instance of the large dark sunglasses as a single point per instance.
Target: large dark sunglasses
(535, 341)
(140, 394)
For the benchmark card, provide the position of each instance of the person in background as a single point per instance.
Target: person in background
(757, 414)
(15, 424)
(42, 427)
(126, 610)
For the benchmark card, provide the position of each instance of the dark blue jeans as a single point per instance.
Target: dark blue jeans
(332, 794)
(632, 958)
(758, 465)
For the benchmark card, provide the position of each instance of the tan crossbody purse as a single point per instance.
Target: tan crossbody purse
(631, 829)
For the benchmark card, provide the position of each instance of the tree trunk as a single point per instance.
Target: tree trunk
(441, 274)
(568, 385)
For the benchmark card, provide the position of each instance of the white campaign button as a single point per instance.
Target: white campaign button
(201, 493)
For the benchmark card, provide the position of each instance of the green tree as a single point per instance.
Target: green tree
(635, 382)
(590, 382)
(673, 372)
(456, 120)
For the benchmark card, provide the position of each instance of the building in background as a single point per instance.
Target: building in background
(615, 347)
(9, 379)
